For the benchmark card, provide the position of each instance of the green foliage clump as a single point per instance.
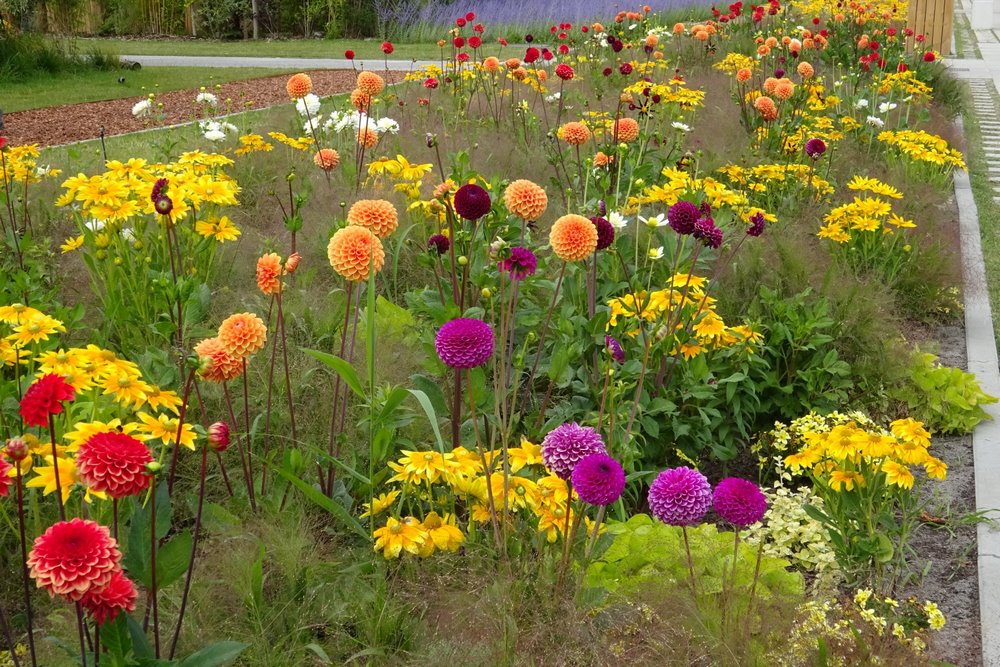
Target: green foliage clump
(946, 399)
(645, 552)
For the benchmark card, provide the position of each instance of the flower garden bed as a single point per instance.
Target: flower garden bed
(643, 349)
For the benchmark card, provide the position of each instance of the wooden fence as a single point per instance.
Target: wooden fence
(932, 19)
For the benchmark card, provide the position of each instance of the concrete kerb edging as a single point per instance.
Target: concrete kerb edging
(982, 354)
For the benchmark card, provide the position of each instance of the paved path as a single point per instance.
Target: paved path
(277, 63)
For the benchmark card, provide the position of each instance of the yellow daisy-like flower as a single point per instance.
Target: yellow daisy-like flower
(84, 431)
(156, 398)
(911, 430)
(17, 313)
(381, 503)
(399, 536)
(845, 480)
(897, 474)
(164, 429)
(45, 479)
(443, 533)
(71, 244)
(221, 229)
(126, 388)
(552, 522)
(418, 467)
(525, 455)
(36, 328)
(936, 468)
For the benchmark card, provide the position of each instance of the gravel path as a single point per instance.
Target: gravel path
(54, 126)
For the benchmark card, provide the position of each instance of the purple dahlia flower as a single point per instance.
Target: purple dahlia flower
(438, 243)
(739, 501)
(472, 201)
(521, 263)
(163, 205)
(464, 343)
(680, 497)
(598, 479)
(565, 445)
(709, 234)
(815, 148)
(615, 348)
(605, 232)
(756, 227)
(158, 188)
(682, 217)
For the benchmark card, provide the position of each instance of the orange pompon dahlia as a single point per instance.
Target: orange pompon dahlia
(269, 273)
(326, 159)
(601, 159)
(360, 100)
(805, 70)
(353, 251)
(367, 137)
(770, 83)
(573, 238)
(371, 83)
(377, 215)
(519, 73)
(743, 74)
(784, 90)
(217, 364)
(626, 129)
(525, 199)
(299, 85)
(512, 63)
(74, 557)
(491, 64)
(766, 108)
(242, 334)
(542, 75)
(574, 133)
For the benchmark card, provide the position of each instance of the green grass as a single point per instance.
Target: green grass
(53, 90)
(989, 211)
(366, 49)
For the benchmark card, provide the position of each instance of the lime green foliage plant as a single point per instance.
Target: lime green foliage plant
(947, 399)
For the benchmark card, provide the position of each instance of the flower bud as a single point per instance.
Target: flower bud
(16, 449)
(292, 262)
(218, 436)
(487, 294)
(463, 260)
(153, 468)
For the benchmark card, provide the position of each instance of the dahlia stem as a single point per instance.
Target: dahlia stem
(753, 588)
(566, 531)
(152, 574)
(246, 419)
(326, 480)
(79, 631)
(593, 536)
(288, 381)
(727, 591)
(687, 549)
(545, 327)
(194, 551)
(97, 644)
(218, 456)
(5, 626)
(267, 409)
(456, 411)
(55, 468)
(239, 446)
(24, 567)
(487, 469)
(180, 429)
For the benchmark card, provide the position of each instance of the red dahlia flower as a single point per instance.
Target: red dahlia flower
(114, 463)
(104, 605)
(387, 48)
(74, 557)
(43, 398)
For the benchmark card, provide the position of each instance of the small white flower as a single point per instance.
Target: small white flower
(142, 108)
(215, 135)
(94, 225)
(229, 128)
(886, 107)
(838, 83)
(861, 104)
(128, 234)
(554, 97)
(633, 26)
(875, 121)
(680, 126)
(43, 171)
(213, 130)
(654, 222)
(207, 98)
(308, 105)
(656, 253)
(604, 42)
(383, 125)
(617, 220)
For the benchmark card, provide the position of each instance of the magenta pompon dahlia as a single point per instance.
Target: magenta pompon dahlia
(739, 501)
(464, 343)
(598, 479)
(680, 497)
(565, 445)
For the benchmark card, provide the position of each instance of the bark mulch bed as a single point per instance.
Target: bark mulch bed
(53, 126)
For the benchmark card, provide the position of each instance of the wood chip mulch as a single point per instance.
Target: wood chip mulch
(53, 126)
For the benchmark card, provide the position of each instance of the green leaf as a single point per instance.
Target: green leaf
(172, 559)
(214, 655)
(342, 368)
(425, 403)
(334, 508)
(140, 643)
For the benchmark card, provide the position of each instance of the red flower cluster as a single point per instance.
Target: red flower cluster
(564, 72)
(387, 48)
(43, 398)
